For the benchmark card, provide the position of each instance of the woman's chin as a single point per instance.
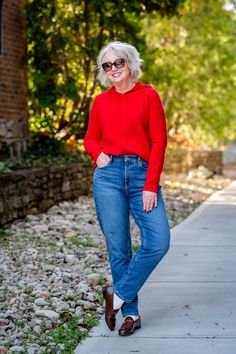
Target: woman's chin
(116, 80)
(120, 80)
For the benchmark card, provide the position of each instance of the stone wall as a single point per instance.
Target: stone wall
(184, 160)
(35, 190)
(13, 80)
(31, 191)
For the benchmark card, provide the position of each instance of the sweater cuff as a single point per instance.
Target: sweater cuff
(151, 187)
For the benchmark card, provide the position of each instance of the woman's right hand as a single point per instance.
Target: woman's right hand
(102, 160)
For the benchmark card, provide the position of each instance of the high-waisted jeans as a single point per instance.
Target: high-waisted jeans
(117, 191)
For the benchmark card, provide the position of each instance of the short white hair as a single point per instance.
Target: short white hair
(125, 51)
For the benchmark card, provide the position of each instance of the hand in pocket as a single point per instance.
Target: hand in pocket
(103, 160)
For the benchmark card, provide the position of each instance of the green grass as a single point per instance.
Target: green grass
(100, 295)
(20, 323)
(28, 289)
(69, 334)
(5, 294)
(53, 246)
(69, 297)
(63, 339)
(77, 242)
(5, 235)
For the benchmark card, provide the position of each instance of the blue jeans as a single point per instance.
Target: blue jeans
(117, 191)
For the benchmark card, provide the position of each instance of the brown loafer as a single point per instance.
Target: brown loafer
(129, 325)
(110, 313)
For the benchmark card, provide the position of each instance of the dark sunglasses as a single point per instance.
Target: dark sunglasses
(118, 63)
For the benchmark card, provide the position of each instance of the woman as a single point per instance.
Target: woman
(126, 138)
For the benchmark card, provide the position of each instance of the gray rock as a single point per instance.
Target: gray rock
(88, 305)
(91, 259)
(52, 315)
(89, 297)
(16, 349)
(60, 243)
(33, 349)
(78, 311)
(71, 259)
(40, 301)
(82, 287)
(37, 329)
(63, 306)
(40, 228)
(48, 267)
(73, 304)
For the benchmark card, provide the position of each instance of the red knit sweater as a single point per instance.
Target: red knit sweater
(129, 123)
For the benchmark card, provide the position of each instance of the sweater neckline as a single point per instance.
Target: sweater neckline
(113, 89)
(122, 93)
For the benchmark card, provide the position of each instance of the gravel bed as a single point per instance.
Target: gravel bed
(54, 264)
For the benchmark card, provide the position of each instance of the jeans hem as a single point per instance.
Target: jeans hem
(130, 314)
(120, 296)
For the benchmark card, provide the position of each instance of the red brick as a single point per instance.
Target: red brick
(13, 74)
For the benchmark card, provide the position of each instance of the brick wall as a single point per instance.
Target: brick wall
(13, 78)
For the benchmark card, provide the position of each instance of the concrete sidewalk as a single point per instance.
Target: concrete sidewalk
(188, 304)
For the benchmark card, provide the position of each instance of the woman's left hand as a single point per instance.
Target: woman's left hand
(149, 200)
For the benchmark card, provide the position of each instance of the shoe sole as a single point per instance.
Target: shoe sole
(128, 334)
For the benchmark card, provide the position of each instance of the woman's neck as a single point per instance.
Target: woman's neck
(124, 86)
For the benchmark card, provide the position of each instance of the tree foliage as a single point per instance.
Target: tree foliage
(63, 40)
(189, 52)
(190, 58)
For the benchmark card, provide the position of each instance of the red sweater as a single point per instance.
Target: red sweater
(129, 123)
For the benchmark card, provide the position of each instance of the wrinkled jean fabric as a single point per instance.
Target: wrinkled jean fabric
(117, 192)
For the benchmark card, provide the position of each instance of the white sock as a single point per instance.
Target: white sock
(117, 302)
(134, 317)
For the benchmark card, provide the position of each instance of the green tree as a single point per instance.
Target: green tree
(63, 40)
(190, 59)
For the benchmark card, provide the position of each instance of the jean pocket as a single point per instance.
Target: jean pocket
(109, 163)
(101, 168)
(142, 163)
